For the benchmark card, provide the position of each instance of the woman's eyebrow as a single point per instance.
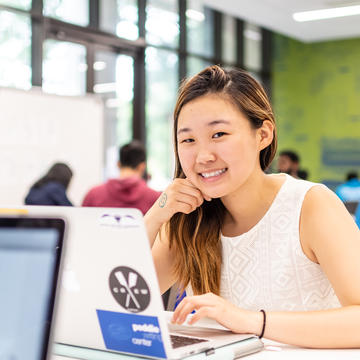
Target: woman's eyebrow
(183, 130)
(211, 123)
(220, 121)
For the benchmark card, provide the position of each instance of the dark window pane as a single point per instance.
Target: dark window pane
(120, 17)
(15, 50)
(74, 12)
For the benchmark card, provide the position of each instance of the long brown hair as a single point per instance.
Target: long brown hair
(195, 237)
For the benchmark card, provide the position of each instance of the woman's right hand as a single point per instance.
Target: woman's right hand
(180, 196)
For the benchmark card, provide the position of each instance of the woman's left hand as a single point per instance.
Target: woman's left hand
(215, 307)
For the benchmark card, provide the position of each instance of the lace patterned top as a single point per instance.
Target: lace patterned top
(265, 268)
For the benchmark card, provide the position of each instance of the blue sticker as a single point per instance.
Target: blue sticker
(131, 333)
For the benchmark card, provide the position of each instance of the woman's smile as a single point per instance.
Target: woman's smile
(212, 175)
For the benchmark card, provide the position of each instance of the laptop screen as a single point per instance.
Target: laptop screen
(29, 261)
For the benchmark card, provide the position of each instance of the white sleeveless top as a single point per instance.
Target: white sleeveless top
(265, 268)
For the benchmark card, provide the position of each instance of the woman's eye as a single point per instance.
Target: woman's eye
(219, 134)
(187, 141)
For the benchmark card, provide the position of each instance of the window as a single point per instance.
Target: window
(120, 17)
(19, 4)
(252, 38)
(15, 50)
(199, 20)
(75, 12)
(114, 82)
(195, 65)
(229, 39)
(162, 22)
(64, 68)
(160, 100)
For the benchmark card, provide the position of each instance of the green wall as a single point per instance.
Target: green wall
(316, 98)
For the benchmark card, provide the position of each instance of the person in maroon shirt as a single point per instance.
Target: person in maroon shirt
(130, 189)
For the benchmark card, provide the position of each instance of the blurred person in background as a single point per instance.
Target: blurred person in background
(130, 189)
(350, 189)
(51, 188)
(289, 163)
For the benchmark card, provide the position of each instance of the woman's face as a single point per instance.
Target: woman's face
(218, 149)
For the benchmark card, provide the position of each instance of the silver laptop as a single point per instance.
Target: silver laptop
(30, 250)
(110, 298)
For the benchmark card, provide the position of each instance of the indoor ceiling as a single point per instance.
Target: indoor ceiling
(276, 15)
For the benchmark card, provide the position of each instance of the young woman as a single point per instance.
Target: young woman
(51, 188)
(244, 241)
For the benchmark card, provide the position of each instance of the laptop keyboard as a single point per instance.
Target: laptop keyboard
(179, 341)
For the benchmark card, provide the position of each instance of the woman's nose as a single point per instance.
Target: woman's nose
(205, 156)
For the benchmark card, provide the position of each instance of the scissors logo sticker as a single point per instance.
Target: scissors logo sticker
(129, 289)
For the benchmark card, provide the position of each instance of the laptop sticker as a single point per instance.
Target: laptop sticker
(123, 221)
(129, 289)
(131, 333)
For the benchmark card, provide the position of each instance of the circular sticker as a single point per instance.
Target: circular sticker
(129, 289)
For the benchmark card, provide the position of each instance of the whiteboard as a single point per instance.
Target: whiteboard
(38, 129)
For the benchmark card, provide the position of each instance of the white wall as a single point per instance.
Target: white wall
(38, 129)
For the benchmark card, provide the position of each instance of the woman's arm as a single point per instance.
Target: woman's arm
(330, 237)
(180, 196)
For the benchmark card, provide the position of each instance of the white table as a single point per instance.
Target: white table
(272, 350)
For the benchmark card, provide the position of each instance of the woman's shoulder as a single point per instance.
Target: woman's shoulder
(319, 195)
(324, 218)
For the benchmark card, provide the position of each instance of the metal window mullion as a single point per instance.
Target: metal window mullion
(217, 31)
(182, 40)
(240, 43)
(37, 38)
(139, 125)
(94, 14)
(266, 59)
(90, 73)
(139, 115)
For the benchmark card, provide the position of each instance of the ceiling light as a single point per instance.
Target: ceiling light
(327, 13)
(99, 65)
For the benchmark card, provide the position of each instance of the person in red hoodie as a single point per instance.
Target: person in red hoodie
(130, 189)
